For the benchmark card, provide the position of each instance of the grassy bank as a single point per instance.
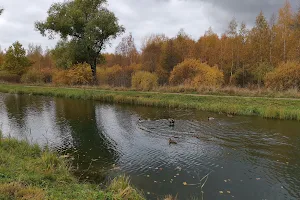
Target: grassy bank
(27, 172)
(260, 106)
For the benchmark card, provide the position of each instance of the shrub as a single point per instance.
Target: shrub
(142, 80)
(192, 72)
(80, 74)
(209, 76)
(117, 76)
(285, 76)
(32, 76)
(6, 76)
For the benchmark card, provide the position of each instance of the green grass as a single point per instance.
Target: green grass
(27, 172)
(259, 106)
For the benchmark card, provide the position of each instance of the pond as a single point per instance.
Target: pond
(226, 158)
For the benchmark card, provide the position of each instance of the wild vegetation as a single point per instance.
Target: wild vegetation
(29, 172)
(263, 57)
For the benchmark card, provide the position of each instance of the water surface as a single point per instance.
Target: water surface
(244, 157)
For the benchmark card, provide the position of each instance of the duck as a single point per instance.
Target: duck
(171, 122)
(140, 120)
(210, 118)
(172, 141)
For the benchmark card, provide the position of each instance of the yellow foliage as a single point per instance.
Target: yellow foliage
(142, 80)
(80, 74)
(192, 72)
(285, 76)
(211, 77)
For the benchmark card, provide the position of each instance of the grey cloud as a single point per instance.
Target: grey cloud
(141, 17)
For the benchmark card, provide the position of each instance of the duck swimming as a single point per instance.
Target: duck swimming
(172, 141)
(171, 122)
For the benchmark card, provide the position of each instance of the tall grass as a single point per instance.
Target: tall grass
(266, 107)
(28, 172)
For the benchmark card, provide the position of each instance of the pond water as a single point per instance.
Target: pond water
(241, 157)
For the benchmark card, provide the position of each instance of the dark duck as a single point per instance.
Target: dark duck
(171, 122)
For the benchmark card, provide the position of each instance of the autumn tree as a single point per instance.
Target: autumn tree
(151, 52)
(15, 60)
(285, 19)
(208, 47)
(127, 51)
(169, 59)
(35, 55)
(85, 25)
(232, 34)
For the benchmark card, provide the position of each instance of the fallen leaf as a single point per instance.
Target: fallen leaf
(225, 181)
(228, 192)
(258, 179)
(148, 193)
(148, 176)
(221, 192)
(184, 183)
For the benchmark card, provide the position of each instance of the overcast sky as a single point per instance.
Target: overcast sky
(141, 17)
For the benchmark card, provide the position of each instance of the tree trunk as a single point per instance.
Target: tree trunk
(94, 71)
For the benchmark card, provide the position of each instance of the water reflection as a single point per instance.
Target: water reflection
(247, 157)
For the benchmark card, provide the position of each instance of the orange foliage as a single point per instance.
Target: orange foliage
(285, 76)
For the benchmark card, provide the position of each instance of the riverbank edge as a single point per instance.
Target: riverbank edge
(28, 172)
(274, 108)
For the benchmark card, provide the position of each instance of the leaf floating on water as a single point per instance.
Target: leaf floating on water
(148, 176)
(177, 174)
(160, 169)
(148, 193)
(221, 192)
(287, 163)
(155, 181)
(184, 183)
(257, 179)
(174, 176)
(225, 181)
(228, 192)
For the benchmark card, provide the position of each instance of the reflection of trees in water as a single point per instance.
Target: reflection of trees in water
(88, 142)
(17, 108)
